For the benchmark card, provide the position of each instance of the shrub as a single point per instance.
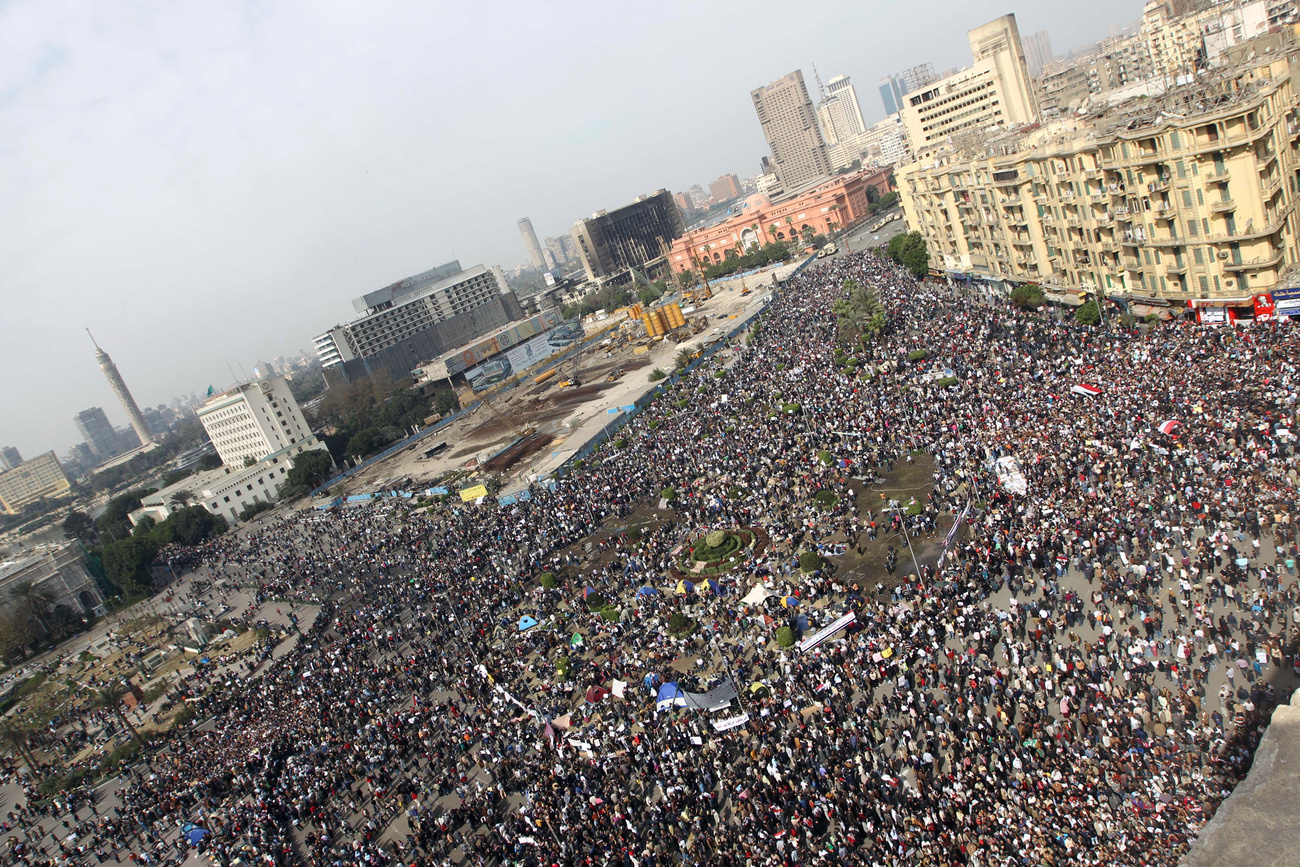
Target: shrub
(609, 612)
(780, 365)
(184, 715)
(562, 666)
(946, 381)
(1029, 296)
(254, 510)
(657, 374)
(620, 443)
(790, 408)
(654, 424)
(683, 403)
(735, 493)
(668, 494)
(825, 457)
(595, 602)
(914, 509)
(785, 637)
(825, 498)
(851, 363)
(547, 580)
(810, 561)
(679, 624)
(719, 374)
(918, 355)
(634, 535)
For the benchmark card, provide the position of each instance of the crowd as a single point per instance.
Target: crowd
(1081, 678)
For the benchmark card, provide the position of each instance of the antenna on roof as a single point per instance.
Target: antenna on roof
(821, 91)
(92, 338)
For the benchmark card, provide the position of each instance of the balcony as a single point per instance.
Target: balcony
(1176, 268)
(1222, 206)
(1255, 264)
(1162, 212)
(1099, 197)
(1013, 181)
(1073, 222)
(1220, 176)
(1092, 173)
(1116, 190)
(1022, 242)
(1109, 246)
(1270, 186)
(1159, 186)
(1131, 240)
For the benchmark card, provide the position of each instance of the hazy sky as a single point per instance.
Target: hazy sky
(203, 183)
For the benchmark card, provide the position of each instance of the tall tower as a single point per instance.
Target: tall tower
(123, 393)
(530, 241)
(790, 127)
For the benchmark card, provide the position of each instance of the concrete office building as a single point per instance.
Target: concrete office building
(98, 433)
(9, 458)
(894, 87)
(530, 241)
(58, 570)
(253, 420)
(790, 126)
(1151, 198)
(31, 481)
(724, 189)
(1184, 36)
(839, 90)
(123, 393)
(612, 243)
(995, 91)
(416, 318)
(1038, 52)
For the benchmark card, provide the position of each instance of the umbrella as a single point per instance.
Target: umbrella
(527, 622)
(596, 693)
(684, 586)
(715, 587)
(652, 681)
(576, 640)
(789, 602)
(647, 591)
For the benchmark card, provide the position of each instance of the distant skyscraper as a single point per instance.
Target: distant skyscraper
(530, 241)
(1038, 51)
(123, 393)
(98, 432)
(9, 457)
(841, 90)
(790, 127)
(893, 87)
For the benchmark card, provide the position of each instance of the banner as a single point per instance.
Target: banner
(818, 637)
(473, 493)
(723, 725)
(670, 694)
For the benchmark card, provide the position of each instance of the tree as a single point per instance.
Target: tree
(310, 468)
(182, 498)
(18, 738)
(78, 525)
(209, 462)
(175, 476)
(683, 359)
(1088, 314)
(126, 563)
(17, 633)
(1028, 296)
(115, 522)
(190, 526)
(33, 602)
(110, 699)
(908, 250)
(873, 194)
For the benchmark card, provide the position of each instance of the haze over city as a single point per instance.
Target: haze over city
(209, 185)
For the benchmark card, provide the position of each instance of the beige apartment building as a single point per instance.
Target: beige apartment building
(1150, 198)
(32, 480)
(995, 91)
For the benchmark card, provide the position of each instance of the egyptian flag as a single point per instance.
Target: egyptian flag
(1167, 427)
(1085, 390)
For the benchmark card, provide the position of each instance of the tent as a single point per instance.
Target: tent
(756, 595)
(193, 833)
(685, 586)
(715, 587)
(587, 591)
(527, 622)
(668, 696)
(758, 689)
(1167, 427)
(576, 640)
(789, 602)
(652, 682)
(647, 591)
(596, 693)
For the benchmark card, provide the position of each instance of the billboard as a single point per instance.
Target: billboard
(502, 340)
(527, 354)
(1286, 302)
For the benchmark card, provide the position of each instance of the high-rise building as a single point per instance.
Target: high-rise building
(1133, 200)
(840, 90)
(790, 126)
(994, 91)
(561, 248)
(612, 243)
(30, 481)
(416, 319)
(894, 87)
(1038, 51)
(123, 393)
(9, 457)
(98, 433)
(253, 420)
(530, 241)
(724, 189)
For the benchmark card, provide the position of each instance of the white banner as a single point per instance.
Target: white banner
(723, 725)
(818, 637)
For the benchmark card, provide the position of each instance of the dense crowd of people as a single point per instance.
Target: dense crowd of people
(1080, 678)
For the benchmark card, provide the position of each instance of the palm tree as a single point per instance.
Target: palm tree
(18, 737)
(34, 601)
(182, 498)
(683, 359)
(110, 698)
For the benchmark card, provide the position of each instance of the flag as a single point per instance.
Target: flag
(1167, 427)
(210, 391)
(1086, 390)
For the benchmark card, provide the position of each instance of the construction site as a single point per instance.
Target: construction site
(522, 430)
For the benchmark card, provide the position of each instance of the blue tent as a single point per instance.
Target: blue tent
(652, 682)
(790, 602)
(715, 587)
(195, 835)
(669, 695)
(587, 591)
(526, 623)
(647, 591)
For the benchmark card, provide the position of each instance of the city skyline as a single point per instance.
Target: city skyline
(206, 185)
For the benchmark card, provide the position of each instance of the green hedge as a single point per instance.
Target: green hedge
(810, 561)
(785, 637)
(668, 494)
(547, 580)
(825, 457)
(946, 381)
(918, 355)
(826, 499)
(679, 624)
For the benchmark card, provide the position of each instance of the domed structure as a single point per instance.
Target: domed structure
(756, 202)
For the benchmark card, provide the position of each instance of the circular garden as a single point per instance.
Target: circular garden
(719, 552)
